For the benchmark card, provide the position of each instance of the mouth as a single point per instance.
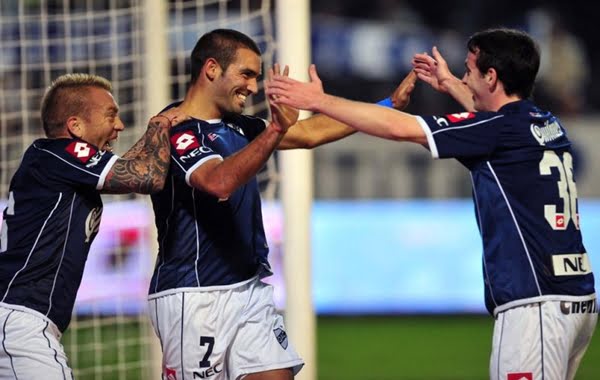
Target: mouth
(241, 97)
(108, 146)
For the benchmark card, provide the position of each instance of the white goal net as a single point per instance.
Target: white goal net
(109, 337)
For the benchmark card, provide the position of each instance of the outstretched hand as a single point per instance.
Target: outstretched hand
(433, 69)
(401, 96)
(285, 90)
(284, 116)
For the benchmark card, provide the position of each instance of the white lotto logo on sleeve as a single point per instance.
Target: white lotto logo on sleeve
(183, 142)
(81, 150)
(572, 264)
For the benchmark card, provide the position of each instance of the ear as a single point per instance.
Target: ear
(491, 78)
(74, 126)
(211, 69)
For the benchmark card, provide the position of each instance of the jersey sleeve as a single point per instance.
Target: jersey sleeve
(190, 148)
(77, 162)
(466, 134)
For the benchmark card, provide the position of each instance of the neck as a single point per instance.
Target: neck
(502, 101)
(199, 104)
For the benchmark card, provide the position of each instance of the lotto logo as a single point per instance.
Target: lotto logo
(81, 150)
(560, 221)
(170, 373)
(456, 117)
(184, 141)
(520, 376)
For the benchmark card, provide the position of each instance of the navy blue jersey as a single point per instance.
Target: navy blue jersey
(52, 217)
(525, 199)
(203, 240)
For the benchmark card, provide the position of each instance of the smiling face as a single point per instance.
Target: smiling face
(237, 82)
(102, 124)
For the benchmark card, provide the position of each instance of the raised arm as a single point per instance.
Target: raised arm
(321, 129)
(143, 168)
(222, 177)
(369, 118)
(434, 71)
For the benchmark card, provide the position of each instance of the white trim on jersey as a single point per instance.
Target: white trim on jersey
(489, 285)
(105, 171)
(67, 162)
(197, 237)
(162, 242)
(468, 125)
(429, 135)
(188, 173)
(62, 255)
(33, 247)
(514, 218)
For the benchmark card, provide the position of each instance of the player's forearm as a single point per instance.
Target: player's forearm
(314, 131)
(237, 169)
(146, 171)
(372, 119)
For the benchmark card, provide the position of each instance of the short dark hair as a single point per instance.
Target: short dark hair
(222, 45)
(68, 96)
(512, 53)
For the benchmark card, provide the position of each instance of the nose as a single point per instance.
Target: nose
(119, 126)
(253, 85)
(464, 78)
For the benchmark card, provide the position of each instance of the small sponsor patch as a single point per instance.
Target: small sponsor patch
(458, 117)
(184, 141)
(281, 337)
(170, 373)
(81, 150)
(572, 264)
(520, 376)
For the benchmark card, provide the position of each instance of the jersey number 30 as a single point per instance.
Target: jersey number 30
(566, 190)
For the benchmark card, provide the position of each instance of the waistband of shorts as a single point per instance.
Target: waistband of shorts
(197, 289)
(548, 297)
(35, 313)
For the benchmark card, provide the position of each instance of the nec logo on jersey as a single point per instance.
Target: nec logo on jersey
(520, 376)
(183, 142)
(458, 117)
(81, 150)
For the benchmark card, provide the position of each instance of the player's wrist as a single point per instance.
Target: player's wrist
(277, 128)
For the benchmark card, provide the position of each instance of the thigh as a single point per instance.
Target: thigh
(30, 348)
(196, 330)
(262, 347)
(541, 340)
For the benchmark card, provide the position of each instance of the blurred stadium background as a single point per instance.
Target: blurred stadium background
(396, 262)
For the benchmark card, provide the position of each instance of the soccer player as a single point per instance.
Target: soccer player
(214, 316)
(538, 282)
(54, 211)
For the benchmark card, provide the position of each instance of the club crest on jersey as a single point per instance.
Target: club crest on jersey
(281, 337)
(92, 223)
(236, 128)
(81, 150)
(213, 136)
(458, 117)
(184, 142)
(520, 376)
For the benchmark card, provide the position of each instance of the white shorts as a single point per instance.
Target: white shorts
(221, 333)
(31, 346)
(544, 340)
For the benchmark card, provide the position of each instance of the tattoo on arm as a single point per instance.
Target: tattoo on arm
(143, 169)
